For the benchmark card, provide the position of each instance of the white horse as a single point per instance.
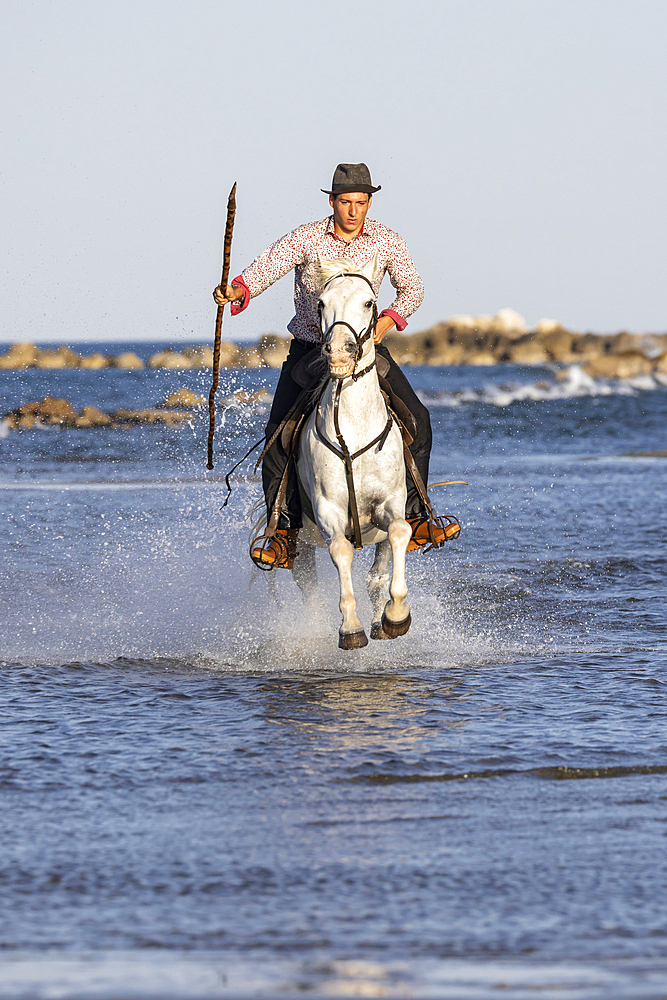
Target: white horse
(350, 436)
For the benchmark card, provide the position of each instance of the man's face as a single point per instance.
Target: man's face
(350, 210)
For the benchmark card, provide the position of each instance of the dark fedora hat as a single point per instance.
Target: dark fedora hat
(350, 177)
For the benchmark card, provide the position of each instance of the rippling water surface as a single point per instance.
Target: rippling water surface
(202, 796)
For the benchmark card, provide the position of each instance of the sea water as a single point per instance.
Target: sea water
(202, 796)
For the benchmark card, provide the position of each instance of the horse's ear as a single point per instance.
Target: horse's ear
(371, 267)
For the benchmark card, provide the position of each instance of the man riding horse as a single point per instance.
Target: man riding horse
(348, 233)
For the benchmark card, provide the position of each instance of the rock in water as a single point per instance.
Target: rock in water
(199, 357)
(183, 397)
(528, 350)
(547, 326)
(63, 357)
(510, 320)
(21, 355)
(127, 359)
(627, 365)
(169, 359)
(557, 342)
(45, 412)
(661, 364)
(95, 360)
(92, 417)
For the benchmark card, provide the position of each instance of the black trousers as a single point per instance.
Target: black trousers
(275, 459)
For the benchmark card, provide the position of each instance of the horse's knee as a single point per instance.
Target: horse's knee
(340, 550)
(399, 532)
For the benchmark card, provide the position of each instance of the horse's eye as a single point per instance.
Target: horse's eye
(369, 304)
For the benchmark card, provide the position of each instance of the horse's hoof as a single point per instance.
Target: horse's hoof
(377, 632)
(352, 640)
(394, 629)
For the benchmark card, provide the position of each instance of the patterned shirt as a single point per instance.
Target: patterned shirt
(299, 250)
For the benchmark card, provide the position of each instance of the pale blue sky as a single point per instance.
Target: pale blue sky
(521, 147)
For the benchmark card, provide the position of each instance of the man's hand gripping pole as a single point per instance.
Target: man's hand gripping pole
(227, 253)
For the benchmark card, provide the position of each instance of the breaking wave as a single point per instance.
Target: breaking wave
(569, 383)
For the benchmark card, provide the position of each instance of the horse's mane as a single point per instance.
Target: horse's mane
(328, 268)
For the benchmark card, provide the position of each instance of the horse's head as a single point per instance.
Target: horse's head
(347, 313)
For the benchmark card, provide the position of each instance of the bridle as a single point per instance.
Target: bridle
(360, 338)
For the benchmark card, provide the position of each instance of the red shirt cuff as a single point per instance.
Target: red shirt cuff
(238, 306)
(398, 320)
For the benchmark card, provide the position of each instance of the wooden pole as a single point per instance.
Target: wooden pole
(229, 229)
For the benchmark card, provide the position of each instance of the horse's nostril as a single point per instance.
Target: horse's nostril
(327, 348)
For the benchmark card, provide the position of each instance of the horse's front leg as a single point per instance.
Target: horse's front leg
(351, 634)
(331, 518)
(396, 619)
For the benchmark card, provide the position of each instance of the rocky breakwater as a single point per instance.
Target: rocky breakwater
(461, 340)
(26, 355)
(52, 412)
(270, 351)
(505, 339)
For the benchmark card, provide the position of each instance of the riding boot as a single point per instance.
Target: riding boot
(277, 552)
(432, 532)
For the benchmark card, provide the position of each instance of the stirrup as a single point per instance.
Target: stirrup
(432, 529)
(275, 551)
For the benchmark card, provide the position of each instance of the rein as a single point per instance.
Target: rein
(344, 453)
